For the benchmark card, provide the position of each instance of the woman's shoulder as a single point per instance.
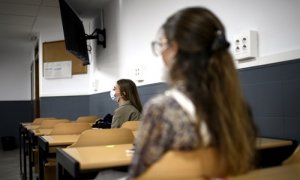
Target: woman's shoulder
(127, 106)
(160, 102)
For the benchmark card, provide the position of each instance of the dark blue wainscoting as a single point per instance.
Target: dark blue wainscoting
(273, 92)
(102, 104)
(11, 114)
(71, 107)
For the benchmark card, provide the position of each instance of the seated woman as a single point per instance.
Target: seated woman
(126, 95)
(204, 107)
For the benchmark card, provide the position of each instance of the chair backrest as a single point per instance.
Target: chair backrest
(294, 158)
(132, 125)
(70, 128)
(87, 119)
(50, 123)
(38, 121)
(194, 164)
(98, 137)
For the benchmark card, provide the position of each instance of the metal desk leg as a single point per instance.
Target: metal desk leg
(21, 150)
(42, 155)
(30, 144)
(25, 151)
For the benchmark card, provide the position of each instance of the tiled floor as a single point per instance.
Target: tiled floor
(9, 165)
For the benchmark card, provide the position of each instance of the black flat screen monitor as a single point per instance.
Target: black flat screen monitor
(75, 39)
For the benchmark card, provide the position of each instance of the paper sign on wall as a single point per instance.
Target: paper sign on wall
(58, 69)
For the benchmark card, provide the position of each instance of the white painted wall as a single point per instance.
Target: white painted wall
(50, 27)
(275, 21)
(15, 71)
(107, 62)
(132, 24)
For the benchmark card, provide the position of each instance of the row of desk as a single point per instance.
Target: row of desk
(25, 149)
(287, 172)
(31, 136)
(75, 163)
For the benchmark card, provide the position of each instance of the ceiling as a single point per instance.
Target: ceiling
(18, 17)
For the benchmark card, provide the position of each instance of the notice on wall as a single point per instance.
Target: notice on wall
(58, 69)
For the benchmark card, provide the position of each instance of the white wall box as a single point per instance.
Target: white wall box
(245, 45)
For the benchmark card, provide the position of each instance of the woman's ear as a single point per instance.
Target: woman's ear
(170, 53)
(174, 49)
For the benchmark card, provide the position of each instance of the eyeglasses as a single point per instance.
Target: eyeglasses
(158, 47)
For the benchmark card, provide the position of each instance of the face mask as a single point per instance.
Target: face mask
(112, 95)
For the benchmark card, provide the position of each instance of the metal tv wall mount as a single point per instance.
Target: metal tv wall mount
(99, 35)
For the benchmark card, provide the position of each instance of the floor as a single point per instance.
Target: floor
(9, 165)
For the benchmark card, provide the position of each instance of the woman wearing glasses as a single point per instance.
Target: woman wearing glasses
(204, 106)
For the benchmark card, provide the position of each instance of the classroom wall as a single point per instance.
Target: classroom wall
(71, 107)
(140, 20)
(102, 104)
(107, 61)
(273, 93)
(15, 72)
(131, 25)
(49, 26)
(15, 94)
(271, 90)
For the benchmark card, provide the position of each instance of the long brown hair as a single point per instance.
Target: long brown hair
(129, 92)
(207, 71)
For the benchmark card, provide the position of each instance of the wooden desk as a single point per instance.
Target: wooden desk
(33, 132)
(271, 152)
(47, 147)
(274, 173)
(81, 160)
(41, 132)
(26, 123)
(31, 127)
(77, 161)
(265, 143)
(23, 149)
(50, 143)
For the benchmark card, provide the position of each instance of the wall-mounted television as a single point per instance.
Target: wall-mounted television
(75, 37)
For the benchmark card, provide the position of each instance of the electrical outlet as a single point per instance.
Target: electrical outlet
(138, 73)
(245, 45)
(95, 85)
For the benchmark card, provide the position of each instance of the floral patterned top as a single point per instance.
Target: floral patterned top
(165, 125)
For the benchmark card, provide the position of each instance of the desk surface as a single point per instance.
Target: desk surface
(57, 140)
(30, 127)
(97, 157)
(275, 173)
(26, 124)
(41, 132)
(264, 143)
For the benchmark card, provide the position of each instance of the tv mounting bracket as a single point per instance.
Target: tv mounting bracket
(99, 35)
